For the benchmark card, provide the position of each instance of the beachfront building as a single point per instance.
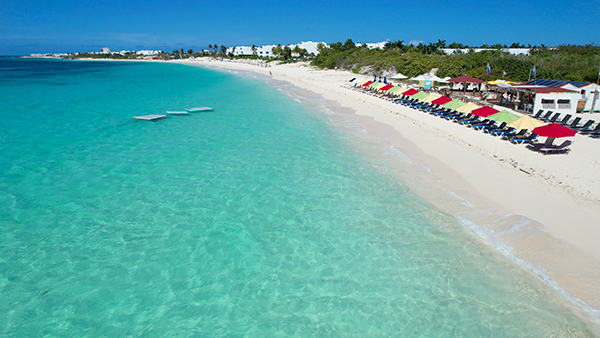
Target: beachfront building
(585, 90)
(559, 100)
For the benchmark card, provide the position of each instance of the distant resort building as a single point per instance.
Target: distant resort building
(267, 50)
(139, 52)
(105, 50)
(513, 51)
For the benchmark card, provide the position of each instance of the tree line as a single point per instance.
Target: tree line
(565, 62)
(279, 52)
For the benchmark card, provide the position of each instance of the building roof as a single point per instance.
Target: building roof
(543, 90)
(465, 78)
(555, 83)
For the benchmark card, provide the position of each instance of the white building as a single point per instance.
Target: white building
(147, 52)
(513, 51)
(556, 99)
(584, 89)
(267, 50)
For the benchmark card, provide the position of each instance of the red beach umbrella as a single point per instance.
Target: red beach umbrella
(366, 84)
(441, 100)
(410, 92)
(386, 87)
(465, 78)
(484, 111)
(554, 130)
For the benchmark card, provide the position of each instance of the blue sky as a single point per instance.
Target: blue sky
(29, 26)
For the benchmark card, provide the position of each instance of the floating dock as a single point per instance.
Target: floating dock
(198, 109)
(177, 112)
(150, 117)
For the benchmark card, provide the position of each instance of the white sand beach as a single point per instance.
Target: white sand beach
(543, 210)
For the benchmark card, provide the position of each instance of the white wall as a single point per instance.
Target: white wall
(573, 98)
(587, 93)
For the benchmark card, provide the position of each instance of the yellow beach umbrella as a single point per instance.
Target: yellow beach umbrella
(468, 108)
(525, 122)
(379, 86)
(495, 82)
(362, 82)
(431, 97)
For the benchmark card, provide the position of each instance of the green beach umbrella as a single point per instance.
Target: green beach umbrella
(374, 84)
(395, 89)
(454, 104)
(503, 116)
(420, 95)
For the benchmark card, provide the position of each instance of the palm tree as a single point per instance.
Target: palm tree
(277, 50)
(297, 50)
(190, 51)
(253, 49)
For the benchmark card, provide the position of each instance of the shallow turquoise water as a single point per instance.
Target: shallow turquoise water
(254, 220)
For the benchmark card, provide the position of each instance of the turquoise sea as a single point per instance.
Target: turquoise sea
(259, 219)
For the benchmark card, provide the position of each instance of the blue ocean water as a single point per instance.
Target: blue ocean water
(254, 220)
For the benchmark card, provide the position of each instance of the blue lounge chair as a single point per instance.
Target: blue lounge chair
(489, 129)
(545, 117)
(468, 118)
(565, 119)
(585, 127)
(590, 131)
(553, 118)
(507, 136)
(523, 139)
(500, 132)
(574, 123)
(483, 126)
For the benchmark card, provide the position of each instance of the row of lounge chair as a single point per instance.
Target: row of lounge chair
(487, 126)
(584, 129)
(510, 134)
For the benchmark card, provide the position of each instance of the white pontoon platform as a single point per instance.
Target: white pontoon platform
(198, 109)
(150, 117)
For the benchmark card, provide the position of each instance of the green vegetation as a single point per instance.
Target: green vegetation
(566, 62)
